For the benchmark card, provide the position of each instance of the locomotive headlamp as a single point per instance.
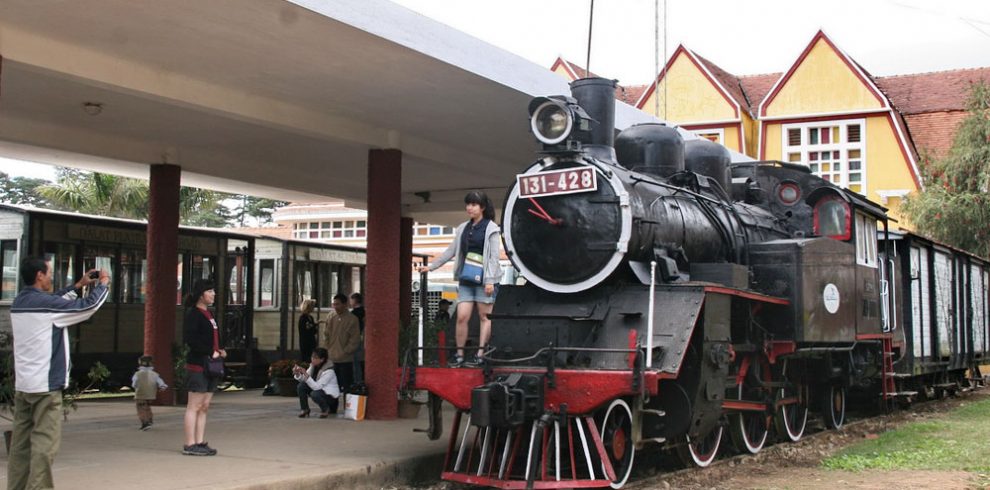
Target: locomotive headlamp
(551, 122)
(555, 119)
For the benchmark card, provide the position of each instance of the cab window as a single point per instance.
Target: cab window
(866, 240)
(832, 218)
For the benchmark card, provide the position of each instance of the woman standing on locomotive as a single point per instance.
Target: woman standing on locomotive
(476, 251)
(202, 335)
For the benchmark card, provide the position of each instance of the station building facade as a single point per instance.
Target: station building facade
(826, 111)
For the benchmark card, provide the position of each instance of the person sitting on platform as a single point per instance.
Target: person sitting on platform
(319, 383)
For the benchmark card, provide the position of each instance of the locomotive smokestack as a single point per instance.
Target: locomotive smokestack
(597, 97)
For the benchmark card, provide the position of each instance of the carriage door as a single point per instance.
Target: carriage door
(237, 307)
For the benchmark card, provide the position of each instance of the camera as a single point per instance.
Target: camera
(94, 275)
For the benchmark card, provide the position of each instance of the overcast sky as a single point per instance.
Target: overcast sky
(744, 37)
(886, 37)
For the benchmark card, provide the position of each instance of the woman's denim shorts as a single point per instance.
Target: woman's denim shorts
(475, 294)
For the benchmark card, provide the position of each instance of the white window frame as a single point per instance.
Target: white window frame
(842, 147)
(866, 240)
(719, 131)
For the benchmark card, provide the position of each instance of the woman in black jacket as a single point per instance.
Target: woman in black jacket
(202, 335)
(307, 329)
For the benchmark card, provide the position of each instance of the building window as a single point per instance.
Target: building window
(8, 248)
(349, 229)
(425, 229)
(833, 150)
(713, 135)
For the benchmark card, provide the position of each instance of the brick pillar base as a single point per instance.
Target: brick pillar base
(162, 252)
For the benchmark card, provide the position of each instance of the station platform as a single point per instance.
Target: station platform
(261, 444)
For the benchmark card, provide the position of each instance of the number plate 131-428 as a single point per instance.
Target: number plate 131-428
(556, 182)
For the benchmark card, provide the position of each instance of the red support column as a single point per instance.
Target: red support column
(405, 272)
(162, 252)
(381, 330)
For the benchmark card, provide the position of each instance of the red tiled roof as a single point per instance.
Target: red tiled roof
(631, 94)
(931, 92)
(281, 231)
(933, 132)
(728, 81)
(756, 87)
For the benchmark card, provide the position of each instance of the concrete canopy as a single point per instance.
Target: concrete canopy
(269, 97)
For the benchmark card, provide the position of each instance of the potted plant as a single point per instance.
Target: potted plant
(180, 353)
(281, 373)
(96, 375)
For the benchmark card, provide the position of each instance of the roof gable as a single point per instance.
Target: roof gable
(687, 73)
(822, 80)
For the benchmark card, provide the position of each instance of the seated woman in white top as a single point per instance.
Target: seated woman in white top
(319, 383)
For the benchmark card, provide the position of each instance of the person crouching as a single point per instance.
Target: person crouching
(319, 383)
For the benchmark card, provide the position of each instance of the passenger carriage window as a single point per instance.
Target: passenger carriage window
(8, 248)
(62, 256)
(103, 258)
(133, 275)
(832, 218)
(267, 294)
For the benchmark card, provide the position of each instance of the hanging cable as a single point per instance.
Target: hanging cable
(591, 21)
(665, 84)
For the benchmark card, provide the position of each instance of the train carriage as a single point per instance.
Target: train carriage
(260, 282)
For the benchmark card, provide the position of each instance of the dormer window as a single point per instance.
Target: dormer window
(833, 218)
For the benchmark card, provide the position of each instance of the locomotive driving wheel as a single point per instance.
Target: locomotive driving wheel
(792, 414)
(701, 451)
(749, 428)
(617, 438)
(834, 406)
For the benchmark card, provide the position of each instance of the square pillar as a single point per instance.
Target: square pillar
(162, 252)
(381, 330)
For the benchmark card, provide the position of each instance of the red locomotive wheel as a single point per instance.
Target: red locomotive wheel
(749, 429)
(617, 438)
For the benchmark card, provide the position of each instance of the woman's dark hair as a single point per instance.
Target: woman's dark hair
(481, 199)
(322, 354)
(199, 287)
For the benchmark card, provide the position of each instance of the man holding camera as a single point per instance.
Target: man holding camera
(39, 319)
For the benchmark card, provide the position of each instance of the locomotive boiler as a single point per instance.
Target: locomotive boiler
(671, 297)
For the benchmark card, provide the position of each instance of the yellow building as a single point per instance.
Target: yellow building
(826, 111)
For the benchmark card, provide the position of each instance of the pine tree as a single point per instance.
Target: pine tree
(954, 207)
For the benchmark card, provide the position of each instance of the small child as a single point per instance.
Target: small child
(145, 381)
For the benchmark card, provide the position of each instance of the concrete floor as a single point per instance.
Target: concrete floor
(260, 441)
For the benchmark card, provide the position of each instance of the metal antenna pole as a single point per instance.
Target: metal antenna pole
(656, 58)
(591, 21)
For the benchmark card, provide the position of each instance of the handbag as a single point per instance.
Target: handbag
(473, 270)
(214, 367)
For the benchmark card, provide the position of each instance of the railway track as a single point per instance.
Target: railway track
(817, 444)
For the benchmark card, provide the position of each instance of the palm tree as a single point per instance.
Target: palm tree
(124, 197)
(98, 193)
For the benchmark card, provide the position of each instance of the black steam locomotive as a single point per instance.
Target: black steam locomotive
(673, 297)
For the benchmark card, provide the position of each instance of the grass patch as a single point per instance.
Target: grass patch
(958, 441)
